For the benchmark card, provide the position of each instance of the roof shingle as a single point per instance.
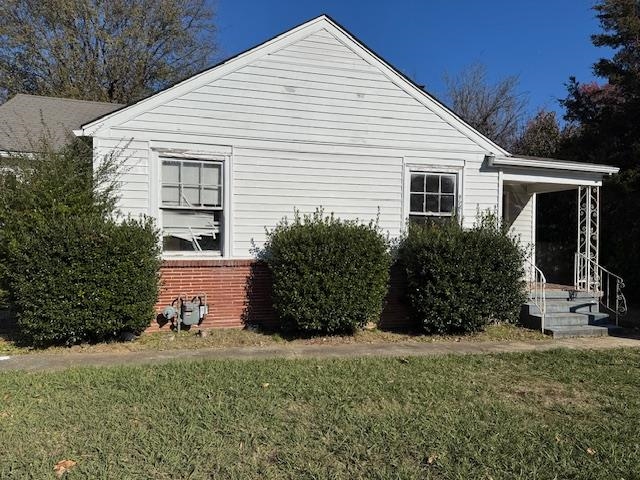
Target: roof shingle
(26, 119)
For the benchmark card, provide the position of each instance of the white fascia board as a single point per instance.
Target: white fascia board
(519, 162)
(542, 179)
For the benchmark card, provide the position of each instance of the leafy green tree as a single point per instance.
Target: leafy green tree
(606, 115)
(108, 50)
(541, 136)
(607, 130)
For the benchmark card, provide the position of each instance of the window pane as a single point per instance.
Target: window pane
(191, 173)
(208, 242)
(186, 230)
(170, 171)
(201, 220)
(179, 242)
(190, 196)
(211, 197)
(432, 203)
(433, 183)
(448, 184)
(417, 203)
(447, 204)
(170, 195)
(428, 220)
(211, 174)
(417, 182)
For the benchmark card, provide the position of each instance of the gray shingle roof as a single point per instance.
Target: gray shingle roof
(26, 119)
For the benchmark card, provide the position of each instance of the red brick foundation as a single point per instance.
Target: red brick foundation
(239, 292)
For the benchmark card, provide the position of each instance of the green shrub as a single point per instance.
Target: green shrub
(459, 280)
(329, 276)
(73, 272)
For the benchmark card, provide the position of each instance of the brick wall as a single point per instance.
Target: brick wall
(239, 292)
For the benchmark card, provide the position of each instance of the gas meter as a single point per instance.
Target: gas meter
(186, 310)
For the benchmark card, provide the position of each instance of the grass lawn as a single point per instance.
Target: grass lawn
(557, 414)
(221, 338)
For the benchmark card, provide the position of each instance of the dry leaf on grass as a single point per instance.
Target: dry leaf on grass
(63, 466)
(265, 385)
(432, 458)
(591, 451)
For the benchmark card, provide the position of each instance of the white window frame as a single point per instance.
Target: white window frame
(200, 186)
(194, 208)
(457, 169)
(222, 155)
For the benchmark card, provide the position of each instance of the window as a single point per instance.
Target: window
(191, 205)
(432, 195)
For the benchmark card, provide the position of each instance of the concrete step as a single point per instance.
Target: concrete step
(582, 331)
(567, 294)
(572, 319)
(579, 306)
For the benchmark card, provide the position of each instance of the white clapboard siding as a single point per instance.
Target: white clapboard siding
(523, 225)
(299, 94)
(313, 123)
(270, 185)
(132, 157)
(480, 192)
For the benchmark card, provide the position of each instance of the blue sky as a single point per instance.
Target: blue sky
(543, 42)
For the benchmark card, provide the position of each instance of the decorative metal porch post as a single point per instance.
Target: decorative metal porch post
(586, 273)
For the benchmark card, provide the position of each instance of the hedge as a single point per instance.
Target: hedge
(73, 271)
(329, 276)
(458, 280)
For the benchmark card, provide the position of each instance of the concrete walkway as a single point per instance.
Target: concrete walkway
(43, 361)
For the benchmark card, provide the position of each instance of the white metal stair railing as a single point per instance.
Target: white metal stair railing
(538, 291)
(590, 276)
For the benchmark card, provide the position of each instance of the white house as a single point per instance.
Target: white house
(312, 118)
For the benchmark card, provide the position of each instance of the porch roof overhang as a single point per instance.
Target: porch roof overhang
(539, 175)
(550, 164)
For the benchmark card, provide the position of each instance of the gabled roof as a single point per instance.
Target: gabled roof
(274, 44)
(26, 119)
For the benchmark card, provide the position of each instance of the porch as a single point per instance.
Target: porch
(590, 303)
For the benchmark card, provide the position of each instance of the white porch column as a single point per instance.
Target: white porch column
(587, 257)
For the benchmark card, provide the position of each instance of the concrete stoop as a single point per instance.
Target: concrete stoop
(570, 313)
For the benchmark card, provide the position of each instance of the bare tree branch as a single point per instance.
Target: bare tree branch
(495, 110)
(101, 50)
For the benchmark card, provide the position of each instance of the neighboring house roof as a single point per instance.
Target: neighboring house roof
(26, 119)
(280, 41)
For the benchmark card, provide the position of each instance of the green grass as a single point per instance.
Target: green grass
(508, 416)
(222, 338)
